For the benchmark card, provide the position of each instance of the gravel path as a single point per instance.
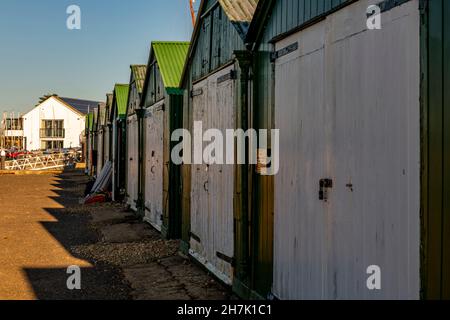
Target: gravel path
(40, 221)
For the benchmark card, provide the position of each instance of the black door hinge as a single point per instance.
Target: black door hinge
(225, 258)
(195, 237)
(195, 93)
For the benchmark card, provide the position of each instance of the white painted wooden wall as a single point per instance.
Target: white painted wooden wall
(133, 161)
(154, 163)
(53, 109)
(212, 186)
(107, 144)
(115, 160)
(100, 141)
(88, 154)
(347, 106)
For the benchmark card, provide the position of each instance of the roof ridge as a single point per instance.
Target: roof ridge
(79, 99)
(169, 42)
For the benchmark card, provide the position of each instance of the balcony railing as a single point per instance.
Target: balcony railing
(53, 133)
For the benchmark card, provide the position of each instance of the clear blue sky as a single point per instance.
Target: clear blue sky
(39, 55)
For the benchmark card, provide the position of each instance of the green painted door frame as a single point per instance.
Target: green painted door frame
(241, 201)
(140, 203)
(435, 100)
(172, 210)
(253, 199)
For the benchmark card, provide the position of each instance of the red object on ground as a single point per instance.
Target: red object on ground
(16, 154)
(96, 198)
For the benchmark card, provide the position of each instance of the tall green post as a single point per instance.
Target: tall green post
(140, 203)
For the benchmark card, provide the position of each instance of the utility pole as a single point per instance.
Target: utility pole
(191, 5)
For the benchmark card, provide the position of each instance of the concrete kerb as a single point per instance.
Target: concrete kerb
(29, 172)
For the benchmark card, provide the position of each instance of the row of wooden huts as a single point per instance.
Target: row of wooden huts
(364, 168)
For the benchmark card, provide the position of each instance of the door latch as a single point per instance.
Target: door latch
(325, 184)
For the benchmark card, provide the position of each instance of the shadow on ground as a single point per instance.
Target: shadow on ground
(128, 258)
(71, 229)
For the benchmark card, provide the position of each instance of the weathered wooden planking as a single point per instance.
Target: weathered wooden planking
(347, 104)
(212, 240)
(153, 171)
(132, 161)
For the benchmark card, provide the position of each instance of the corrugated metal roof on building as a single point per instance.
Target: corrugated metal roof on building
(83, 106)
(139, 75)
(121, 92)
(171, 57)
(240, 13)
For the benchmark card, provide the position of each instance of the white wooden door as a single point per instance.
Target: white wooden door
(199, 181)
(132, 167)
(347, 106)
(212, 185)
(154, 165)
(221, 176)
(88, 154)
(301, 226)
(106, 144)
(373, 82)
(100, 153)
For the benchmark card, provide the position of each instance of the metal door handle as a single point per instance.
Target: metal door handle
(324, 185)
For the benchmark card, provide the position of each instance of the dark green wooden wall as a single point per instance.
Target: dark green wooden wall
(173, 117)
(287, 15)
(290, 14)
(212, 52)
(436, 150)
(156, 90)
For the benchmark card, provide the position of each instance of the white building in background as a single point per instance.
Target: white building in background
(55, 123)
(11, 131)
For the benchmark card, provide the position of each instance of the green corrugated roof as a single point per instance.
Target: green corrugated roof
(121, 93)
(139, 75)
(89, 120)
(171, 57)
